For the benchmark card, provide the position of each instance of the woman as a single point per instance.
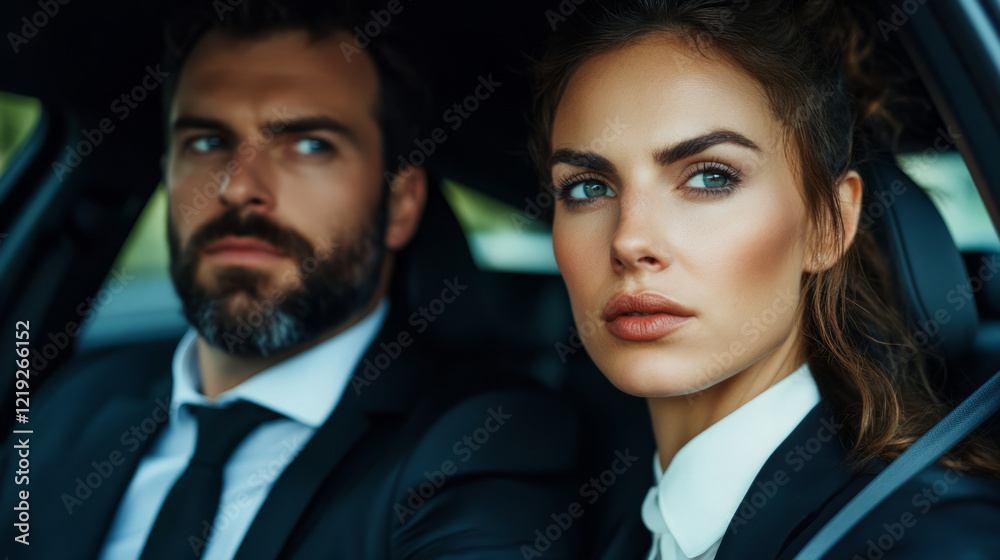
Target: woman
(715, 266)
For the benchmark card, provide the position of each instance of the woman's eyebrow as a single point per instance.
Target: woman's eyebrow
(691, 146)
(587, 160)
(681, 150)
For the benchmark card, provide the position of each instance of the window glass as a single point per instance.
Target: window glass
(18, 118)
(501, 237)
(947, 182)
(145, 251)
(138, 300)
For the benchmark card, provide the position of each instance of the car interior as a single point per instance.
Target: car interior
(80, 197)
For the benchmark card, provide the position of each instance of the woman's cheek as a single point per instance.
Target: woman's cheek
(756, 283)
(577, 245)
(582, 256)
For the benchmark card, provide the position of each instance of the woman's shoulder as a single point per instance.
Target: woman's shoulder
(941, 513)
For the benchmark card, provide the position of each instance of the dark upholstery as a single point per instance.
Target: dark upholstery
(502, 320)
(927, 268)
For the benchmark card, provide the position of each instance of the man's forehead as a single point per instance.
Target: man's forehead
(287, 68)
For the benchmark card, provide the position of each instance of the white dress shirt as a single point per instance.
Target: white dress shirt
(690, 508)
(304, 389)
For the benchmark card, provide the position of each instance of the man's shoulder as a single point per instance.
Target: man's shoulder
(517, 429)
(485, 472)
(109, 372)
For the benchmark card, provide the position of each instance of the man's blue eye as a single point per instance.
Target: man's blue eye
(312, 146)
(589, 189)
(708, 180)
(206, 143)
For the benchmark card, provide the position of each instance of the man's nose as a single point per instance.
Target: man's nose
(248, 181)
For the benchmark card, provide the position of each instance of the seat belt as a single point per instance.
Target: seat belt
(967, 416)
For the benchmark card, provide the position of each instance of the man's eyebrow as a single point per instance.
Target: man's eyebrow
(184, 122)
(588, 160)
(310, 124)
(692, 146)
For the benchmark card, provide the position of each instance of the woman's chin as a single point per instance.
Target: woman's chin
(663, 381)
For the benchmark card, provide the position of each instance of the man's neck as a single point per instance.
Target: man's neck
(221, 371)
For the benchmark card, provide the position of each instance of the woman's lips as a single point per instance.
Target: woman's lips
(233, 250)
(642, 328)
(644, 317)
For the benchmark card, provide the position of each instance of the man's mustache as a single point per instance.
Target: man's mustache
(252, 225)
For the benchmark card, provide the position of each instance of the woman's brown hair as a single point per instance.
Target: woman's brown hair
(817, 70)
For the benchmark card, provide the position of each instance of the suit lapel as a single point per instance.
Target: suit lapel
(92, 505)
(796, 484)
(389, 392)
(301, 480)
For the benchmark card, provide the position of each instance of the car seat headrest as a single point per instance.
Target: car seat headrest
(927, 269)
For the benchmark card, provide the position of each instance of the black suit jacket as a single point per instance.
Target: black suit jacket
(409, 465)
(938, 515)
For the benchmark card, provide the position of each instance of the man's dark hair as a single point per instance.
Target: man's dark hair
(403, 94)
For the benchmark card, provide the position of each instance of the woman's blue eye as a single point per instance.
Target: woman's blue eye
(312, 146)
(206, 143)
(589, 189)
(708, 180)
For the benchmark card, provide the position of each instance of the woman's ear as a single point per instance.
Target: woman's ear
(849, 191)
(407, 194)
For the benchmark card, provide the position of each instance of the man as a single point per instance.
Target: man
(266, 433)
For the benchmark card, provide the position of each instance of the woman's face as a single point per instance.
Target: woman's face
(682, 231)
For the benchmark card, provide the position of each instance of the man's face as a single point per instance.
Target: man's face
(274, 175)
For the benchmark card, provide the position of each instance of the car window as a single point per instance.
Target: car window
(946, 180)
(501, 237)
(138, 285)
(145, 251)
(19, 116)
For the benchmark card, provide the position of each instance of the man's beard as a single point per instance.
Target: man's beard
(273, 319)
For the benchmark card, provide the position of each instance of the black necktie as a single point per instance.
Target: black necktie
(180, 530)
